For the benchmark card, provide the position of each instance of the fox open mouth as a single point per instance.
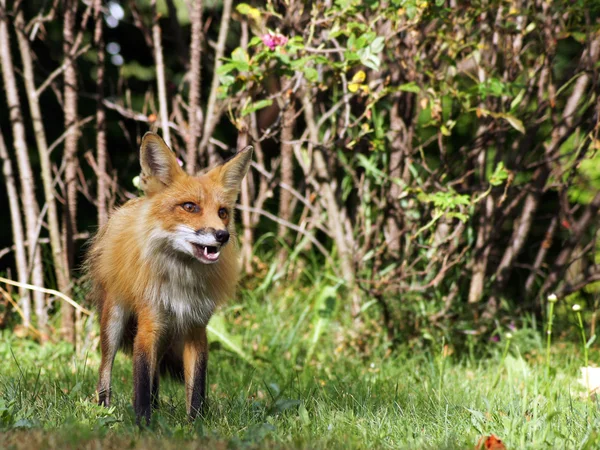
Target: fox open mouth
(207, 253)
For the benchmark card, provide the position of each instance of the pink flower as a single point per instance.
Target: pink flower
(273, 40)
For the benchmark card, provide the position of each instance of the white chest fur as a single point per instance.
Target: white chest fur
(182, 291)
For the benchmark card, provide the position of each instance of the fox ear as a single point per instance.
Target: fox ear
(232, 172)
(159, 165)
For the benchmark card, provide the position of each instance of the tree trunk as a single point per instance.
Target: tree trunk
(287, 171)
(248, 232)
(195, 118)
(59, 261)
(30, 205)
(397, 154)
(541, 255)
(482, 251)
(17, 229)
(71, 139)
(335, 217)
(562, 261)
(160, 75)
(101, 157)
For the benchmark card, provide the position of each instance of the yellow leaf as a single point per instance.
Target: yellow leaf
(353, 87)
(359, 77)
(254, 13)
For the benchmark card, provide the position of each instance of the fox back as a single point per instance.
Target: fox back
(164, 261)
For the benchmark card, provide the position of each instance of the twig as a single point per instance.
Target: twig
(134, 115)
(291, 226)
(289, 188)
(78, 237)
(210, 118)
(38, 230)
(69, 300)
(62, 137)
(9, 298)
(60, 69)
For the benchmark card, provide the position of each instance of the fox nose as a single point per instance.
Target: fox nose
(222, 236)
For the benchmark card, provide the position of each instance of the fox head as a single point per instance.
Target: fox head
(194, 214)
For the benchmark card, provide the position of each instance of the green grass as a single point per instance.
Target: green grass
(351, 394)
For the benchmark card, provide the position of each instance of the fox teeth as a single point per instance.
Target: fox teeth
(211, 255)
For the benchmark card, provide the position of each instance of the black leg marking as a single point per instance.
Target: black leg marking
(199, 389)
(155, 385)
(142, 387)
(103, 396)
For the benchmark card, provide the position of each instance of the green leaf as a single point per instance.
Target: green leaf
(231, 66)
(369, 166)
(303, 413)
(226, 80)
(410, 87)
(351, 56)
(136, 70)
(217, 330)
(247, 10)
(324, 308)
(240, 55)
(514, 122)
(378, 44)
(517, 100)
(255, 41)
(311, 74)
(499, 175)
(256, 106)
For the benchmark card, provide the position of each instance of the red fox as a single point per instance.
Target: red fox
(160, 266)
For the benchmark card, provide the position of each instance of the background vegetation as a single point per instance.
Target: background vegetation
(426, 174)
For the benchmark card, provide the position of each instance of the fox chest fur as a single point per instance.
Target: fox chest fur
(183, 293)
(184, 290)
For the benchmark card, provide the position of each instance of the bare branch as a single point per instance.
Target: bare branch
(160, 74)
(211, 116)
(60, 70)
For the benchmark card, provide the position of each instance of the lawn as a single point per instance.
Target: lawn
(350, 394)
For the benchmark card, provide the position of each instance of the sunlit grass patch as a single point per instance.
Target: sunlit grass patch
(289, 396)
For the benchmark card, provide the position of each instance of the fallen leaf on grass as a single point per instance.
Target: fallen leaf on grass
(590, 379)
(491, 442)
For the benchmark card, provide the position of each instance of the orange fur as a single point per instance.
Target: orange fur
(151, 280)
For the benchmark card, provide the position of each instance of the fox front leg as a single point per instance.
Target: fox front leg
(112, 327)
(195, 361)
(145, 367)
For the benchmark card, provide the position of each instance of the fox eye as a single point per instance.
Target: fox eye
(190, 207)
(223, 214)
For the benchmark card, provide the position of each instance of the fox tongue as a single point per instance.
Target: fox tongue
(210, 255)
